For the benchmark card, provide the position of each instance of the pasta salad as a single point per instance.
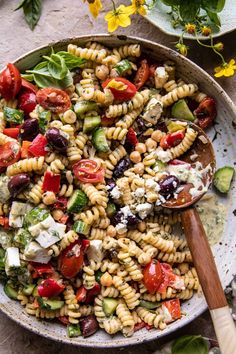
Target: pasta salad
(88, 156)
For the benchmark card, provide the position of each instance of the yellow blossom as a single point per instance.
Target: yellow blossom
(118, 17)
(226, 69)
(218, 46)
(138, 6)
(190, 28)
(206, 31)
(182, 48)
(95, 7)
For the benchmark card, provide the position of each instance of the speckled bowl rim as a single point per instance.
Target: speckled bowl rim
(89, 342)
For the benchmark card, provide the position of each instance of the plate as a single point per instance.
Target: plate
(159, 17)
(225, 147)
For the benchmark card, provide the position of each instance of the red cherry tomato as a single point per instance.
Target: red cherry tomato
(12, 132)
(152, 276)
(54, 99)
(71, 260)
(81, 294)
(27, 101)
(206, 112)
(107, 122)
(10, 82)
(88, 171)
(37, 147)
(9, 153)
(121, 95)
(50, 288)
(142, 74)
(26, 85)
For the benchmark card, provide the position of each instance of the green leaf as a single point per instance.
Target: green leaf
(28, 77)
(189, 9)
(213, 5)
(32, 10)
(214, 18)
(171, 2)
(22, 4)
(72, 61)
(189, 344)
(56, 66)
(13, 115)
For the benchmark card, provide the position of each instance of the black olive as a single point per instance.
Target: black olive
(18, 183)
(29, 129)
(168, 185)
(121, 167)
(56, 139)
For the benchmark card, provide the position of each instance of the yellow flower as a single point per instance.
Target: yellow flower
(190, 28)
(206, 31)
(138, 6)
(226, 69)
(182, 48)
(95, 7)
(218, 46)
(118, 17)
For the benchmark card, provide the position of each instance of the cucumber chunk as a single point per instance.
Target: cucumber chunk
(109, 306)
(111, 209)
(149, 305)
(28, 289)
(10, 291)
(82, 107)
(99, 140)
(123, 66)
(223, 178)
(50, 305)
(180, 110)
(90, 123)
(77, 201)
(81, 227)
(73, 330)
(174, 126)
(34, 216)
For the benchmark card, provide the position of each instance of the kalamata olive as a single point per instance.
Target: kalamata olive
(29, 129)
(88, 325)
(17, 183)
(140, 124)
(56, 139)
(116, 219)
(121, 167)
(132, 221)
(110, 183)
(168, 185)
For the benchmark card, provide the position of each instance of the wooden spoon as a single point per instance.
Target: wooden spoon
(199, 246)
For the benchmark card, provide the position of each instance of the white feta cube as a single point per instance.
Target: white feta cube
(48, 222)
(94, 251)
(12, 259)
(160, 76)
(144, 210)
(35, 229)
(45, 239)
(57, 229)
(16, 220)
(34, 252)
(167, 315)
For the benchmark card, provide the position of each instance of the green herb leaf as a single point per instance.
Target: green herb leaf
(32, 10)
(21, 4)
(13, 115)
(56, 66)
(71, 61)
(189, 9)
(213, 5)
(214, 18)
(28, 77)
(189, 344)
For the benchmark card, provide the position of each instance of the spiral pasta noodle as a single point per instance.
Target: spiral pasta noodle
(27, 165)
(186, 90)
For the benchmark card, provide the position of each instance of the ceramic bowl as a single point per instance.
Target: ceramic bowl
(225, 147)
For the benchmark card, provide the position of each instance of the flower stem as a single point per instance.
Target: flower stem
(114, 5)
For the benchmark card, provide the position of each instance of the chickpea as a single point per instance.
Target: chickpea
(135, 157)
(141, 148)
(106, 279)
(139, 168)
(111, 231)
(142, 226)
(157, 135)
(49, 198)
(151, 144)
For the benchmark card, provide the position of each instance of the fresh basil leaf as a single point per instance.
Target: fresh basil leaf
(28, 77)
(56, 66)
(40, 69)
(32, 10)
(71, 61)
(21, 4)
(44, 119)
(213, 5)
(214, 18)
(13, 115)
(189, 344)
(189, 9)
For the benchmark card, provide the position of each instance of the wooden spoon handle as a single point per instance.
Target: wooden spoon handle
(203, 259)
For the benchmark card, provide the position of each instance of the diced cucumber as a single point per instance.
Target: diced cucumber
(28, 289)
(2, 257)
(159, 166)
(180, 110)
(82, 107)
(10, 291)
(35, 292)
(81, 227)
(223, 178)
(149, 305)
(174, 126)
(90, 123)
(77, 201)
(13, 115)
(111, 209)
(34, 216)
(98, 275)
(73, 330)
(99, 140)
(109, 306)
(123, 66)
(50, 305)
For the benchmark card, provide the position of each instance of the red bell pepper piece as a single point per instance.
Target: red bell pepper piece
(64, 219)
(131, 137)
(51, 182)
(64, 320)
(12, 132)
(85, 245)
(92, 293)
(40, 269)
(37, 147)
(61, 203)
(4, 221)
(107, 122)
(50, 288)
(81, 294)
(170, 140)
(25, 154)
(173, 307)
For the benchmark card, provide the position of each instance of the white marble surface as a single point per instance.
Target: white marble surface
(61, 19)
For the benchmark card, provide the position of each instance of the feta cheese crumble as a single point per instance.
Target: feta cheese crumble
(144, 210)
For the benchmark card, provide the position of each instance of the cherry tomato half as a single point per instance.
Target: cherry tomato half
(9, 153)
(27, 101)
(71, 260)
(88, 171)
(26, 85)
(121, 95)
(12, 132)
(152, 276)
(142, 74)
(10, 82)
(54, 99)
